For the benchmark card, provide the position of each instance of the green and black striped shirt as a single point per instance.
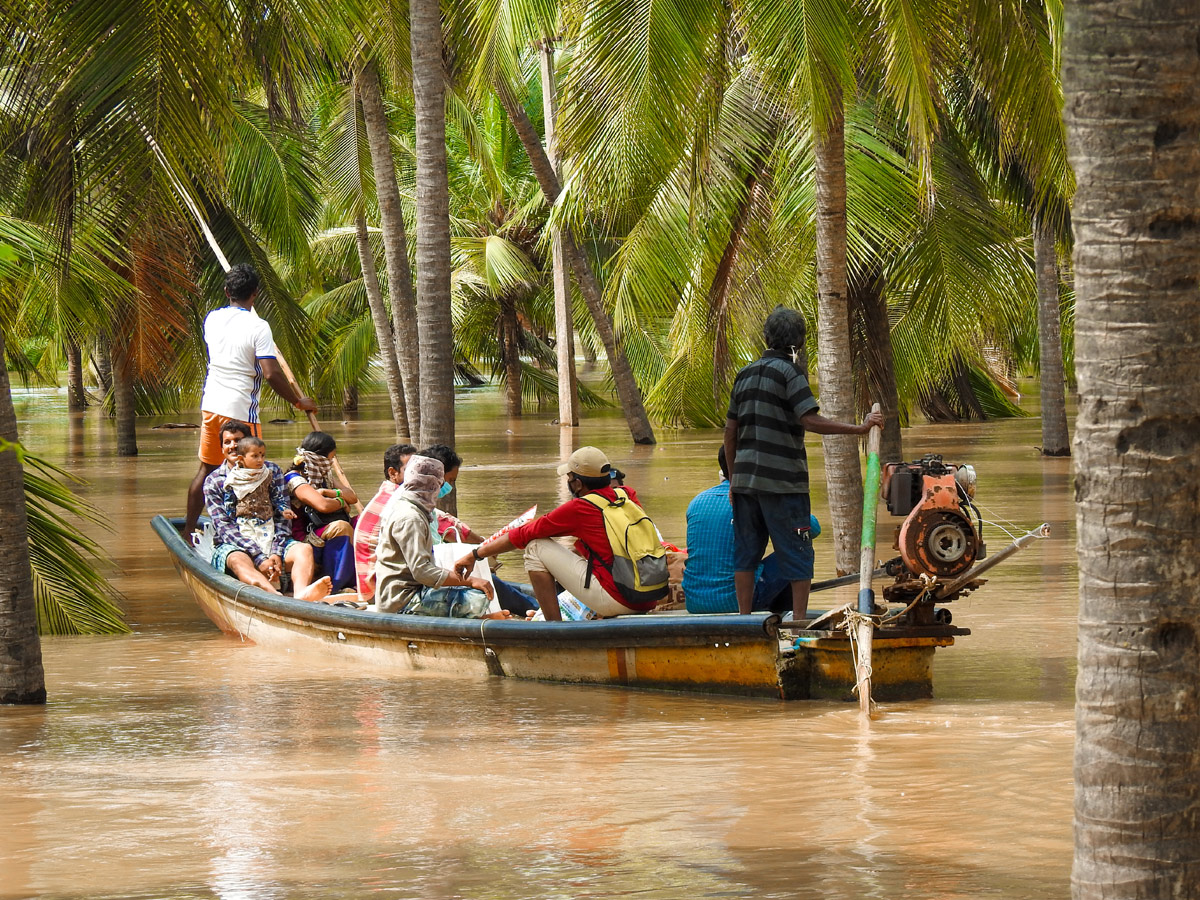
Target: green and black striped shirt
(769, 397)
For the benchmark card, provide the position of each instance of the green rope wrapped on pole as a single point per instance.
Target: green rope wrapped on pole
(866, 601)
(864, 626)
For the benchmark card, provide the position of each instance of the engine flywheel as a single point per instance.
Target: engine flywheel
(938, 542)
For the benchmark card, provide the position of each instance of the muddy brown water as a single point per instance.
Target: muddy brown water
(177, 762)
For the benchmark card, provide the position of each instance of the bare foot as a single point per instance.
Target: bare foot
(318, 590)
(502, 614)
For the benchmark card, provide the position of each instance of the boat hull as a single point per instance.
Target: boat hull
(723, 654)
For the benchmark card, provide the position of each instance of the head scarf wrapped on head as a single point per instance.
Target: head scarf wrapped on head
(423, 479)
(316, 466)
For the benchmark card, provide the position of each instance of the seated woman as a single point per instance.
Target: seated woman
(406, 578)
(323, 518)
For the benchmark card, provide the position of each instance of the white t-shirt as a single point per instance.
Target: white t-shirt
(237, 339)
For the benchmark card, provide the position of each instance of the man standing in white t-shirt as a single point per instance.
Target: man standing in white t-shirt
(241, 353)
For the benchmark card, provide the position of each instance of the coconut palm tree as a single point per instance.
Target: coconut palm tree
(646, 90)
(1137, 766)
(495, 43)
(22, 679)
(433, 224)
(347, 164)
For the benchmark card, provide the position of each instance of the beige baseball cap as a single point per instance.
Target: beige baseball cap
(588, 462)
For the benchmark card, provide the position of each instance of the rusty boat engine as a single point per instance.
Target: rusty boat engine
(940, 537)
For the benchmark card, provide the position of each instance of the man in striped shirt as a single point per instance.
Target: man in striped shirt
(770, 409)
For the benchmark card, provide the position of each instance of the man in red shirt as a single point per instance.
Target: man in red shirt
(585, 572)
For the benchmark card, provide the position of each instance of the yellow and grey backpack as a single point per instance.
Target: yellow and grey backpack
(639, 565)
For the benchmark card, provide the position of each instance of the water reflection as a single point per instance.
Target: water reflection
(177, 762)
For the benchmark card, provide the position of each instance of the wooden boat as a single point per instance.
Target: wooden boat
(720, 654)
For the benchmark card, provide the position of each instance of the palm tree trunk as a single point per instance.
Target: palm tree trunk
(383, 330)
(628, 392)
(510, 353)
(76, 394)
(564, 325)
(834, 360)
(22, 679)
(867, 295)
(123, 400)
(1055, 441)
(102, 359)
(1137, 475)
(433, 225)
(395, 242)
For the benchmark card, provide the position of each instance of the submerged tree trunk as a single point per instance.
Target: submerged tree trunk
(834, 360)
(1055, 441)
(564, 325)
(102, 359)
(433, 225)
(22, 679)
(383, 331)
(510, 354)
(350, 398)
(628, 392)
(1130, 72)
(879, 368)
(395, 242)
(124, 402)
(76, 393)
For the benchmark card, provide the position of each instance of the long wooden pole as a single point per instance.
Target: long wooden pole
(866, 568)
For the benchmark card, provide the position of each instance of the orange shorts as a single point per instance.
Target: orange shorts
(210, 437)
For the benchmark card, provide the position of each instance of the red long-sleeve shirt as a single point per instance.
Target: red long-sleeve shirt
(582, 520)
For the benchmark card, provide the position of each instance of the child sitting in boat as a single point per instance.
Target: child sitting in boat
(255, 560)
(258, 500)
(407, 579)
(323, 509)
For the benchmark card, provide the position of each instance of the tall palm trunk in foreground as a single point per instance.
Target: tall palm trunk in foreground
(834, 362)
(1133, 116)
(21, 677)
(1055, 441)
(395, 241)
(383, 330)
(628, 392)
(433, 225)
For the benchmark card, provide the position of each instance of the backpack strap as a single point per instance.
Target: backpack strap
(601, 503)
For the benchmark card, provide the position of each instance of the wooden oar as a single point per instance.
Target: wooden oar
(355, 508)
(866, 568)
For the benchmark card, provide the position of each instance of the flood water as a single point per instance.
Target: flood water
(178, 762)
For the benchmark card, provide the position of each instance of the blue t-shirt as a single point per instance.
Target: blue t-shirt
(708, 576)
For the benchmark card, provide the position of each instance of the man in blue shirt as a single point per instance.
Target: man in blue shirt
(708, 583)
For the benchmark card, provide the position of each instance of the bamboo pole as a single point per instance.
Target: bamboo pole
(866, 568)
